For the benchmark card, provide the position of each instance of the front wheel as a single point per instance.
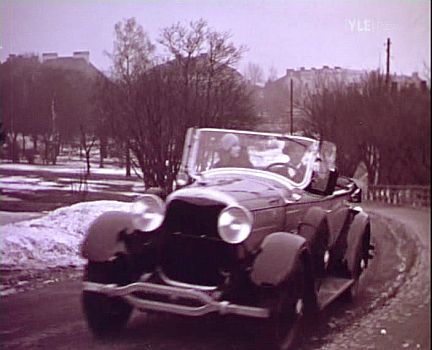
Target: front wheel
(105, 315)
(360, 264)
(289, 309)
(287, 323)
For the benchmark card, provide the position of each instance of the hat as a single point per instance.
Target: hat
(229, 140)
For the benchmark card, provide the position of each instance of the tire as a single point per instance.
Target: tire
(106, 316)
(360, 263)
(288, 311)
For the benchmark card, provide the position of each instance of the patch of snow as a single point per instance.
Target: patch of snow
(5, 198)
(52, 240)
(138, 187)
(19, 179)
(37, 185)
(59, 169)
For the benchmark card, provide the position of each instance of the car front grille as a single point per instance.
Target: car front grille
(192, 251)
(193, 219)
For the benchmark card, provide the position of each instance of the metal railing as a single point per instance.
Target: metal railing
(416, 196)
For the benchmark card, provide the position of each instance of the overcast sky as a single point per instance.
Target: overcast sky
(279, 33)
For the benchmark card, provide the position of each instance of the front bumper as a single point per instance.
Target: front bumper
(207, 303)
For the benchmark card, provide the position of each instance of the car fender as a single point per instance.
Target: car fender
(102, 239)
(277, 258)
(356, 233)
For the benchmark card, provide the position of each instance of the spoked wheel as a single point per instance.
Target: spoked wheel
(288, 323)
(285, 326)
(105, 315)
(360, 264)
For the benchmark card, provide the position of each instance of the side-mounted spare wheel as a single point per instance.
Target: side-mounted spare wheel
(106, 315)
(314, 229)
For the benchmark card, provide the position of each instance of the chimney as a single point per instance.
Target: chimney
(49, 56)
(302, 68)
(82, 54)
(325, 67)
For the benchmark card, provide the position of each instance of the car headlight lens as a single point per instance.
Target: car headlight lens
(148, 212)
(235, 224)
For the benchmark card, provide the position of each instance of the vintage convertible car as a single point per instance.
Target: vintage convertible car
(260, 225)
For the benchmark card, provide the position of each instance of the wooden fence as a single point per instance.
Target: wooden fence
(416, 196)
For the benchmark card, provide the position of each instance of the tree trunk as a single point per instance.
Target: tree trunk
(46, 151)
(23, 144)
(102, 151)
(15, 148)
(35, 140)
(87, 154)
(128, 160)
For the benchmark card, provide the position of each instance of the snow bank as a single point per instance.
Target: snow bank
(52, 240)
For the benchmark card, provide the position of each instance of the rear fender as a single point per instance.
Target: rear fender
(102, 239)
(357, 232)
(277, 258)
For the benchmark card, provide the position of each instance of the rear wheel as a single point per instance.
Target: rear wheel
(360, 264)
(106, 315)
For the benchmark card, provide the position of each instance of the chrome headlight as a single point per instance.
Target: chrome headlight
(235, 224)
(148, 212)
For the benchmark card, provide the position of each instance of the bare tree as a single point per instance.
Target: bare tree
(131, 56)
(272, 74)
(254, 74)
(152, 101)
(17, 76)
(385, 128)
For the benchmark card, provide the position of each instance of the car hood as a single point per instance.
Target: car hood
(252, 192)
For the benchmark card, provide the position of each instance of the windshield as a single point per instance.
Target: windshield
(288, 156)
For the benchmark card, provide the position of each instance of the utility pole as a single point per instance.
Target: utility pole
(291, 105)
(388, 62)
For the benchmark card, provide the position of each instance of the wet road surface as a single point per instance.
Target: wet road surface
(391, 312)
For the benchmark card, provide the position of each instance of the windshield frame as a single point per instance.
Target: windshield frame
(194, 137)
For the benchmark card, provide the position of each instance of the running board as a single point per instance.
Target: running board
(331, 288)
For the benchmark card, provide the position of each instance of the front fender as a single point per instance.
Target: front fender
(102, 239)
(356, 234)
(275, 262)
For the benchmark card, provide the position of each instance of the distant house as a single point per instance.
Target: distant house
(408, 81)
(277, 99)
(79, 61)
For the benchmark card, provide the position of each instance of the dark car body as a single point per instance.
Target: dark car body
(234, 239)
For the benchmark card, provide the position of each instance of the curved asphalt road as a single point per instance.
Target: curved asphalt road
(392, 311)
(404, 321)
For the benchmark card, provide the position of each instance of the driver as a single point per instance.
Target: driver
(232, 154)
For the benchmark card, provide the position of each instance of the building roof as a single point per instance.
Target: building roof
(78, 62)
